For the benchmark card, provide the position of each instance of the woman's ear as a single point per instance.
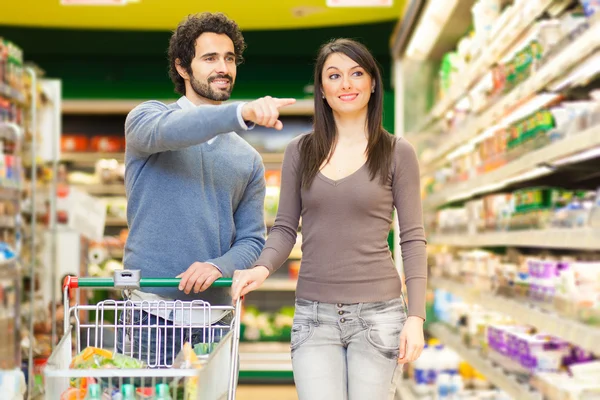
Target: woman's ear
(182, 72)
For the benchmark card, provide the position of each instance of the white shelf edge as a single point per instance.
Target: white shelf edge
(102, 189)
(553, 152)
(560, 63)
(124, 106)
(494, 374)
(90, 158)
(115, 222)
(278, 285)
(568, 329)
(575, 239)
(493, 49)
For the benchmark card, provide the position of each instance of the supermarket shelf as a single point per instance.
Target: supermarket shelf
(264, 360)
(494, 374)
(8, 193)
(272, 158)
(572, 239)
(99, 189)
(561, 63)
(116, 222)
(517, 23)
(585, 336)
(122, 107)
(516, 170)
(89, 159)
(278, 285)
(12, 94)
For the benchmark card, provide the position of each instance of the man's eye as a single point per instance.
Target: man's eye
(230, 59)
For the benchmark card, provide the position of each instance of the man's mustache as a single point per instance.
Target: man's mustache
(228, 77)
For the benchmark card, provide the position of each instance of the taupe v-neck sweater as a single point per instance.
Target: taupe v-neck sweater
(345, 226)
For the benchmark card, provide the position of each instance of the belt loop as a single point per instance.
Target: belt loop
(316, 313)
(358, 311)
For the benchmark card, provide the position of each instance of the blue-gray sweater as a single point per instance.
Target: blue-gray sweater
(190, 199)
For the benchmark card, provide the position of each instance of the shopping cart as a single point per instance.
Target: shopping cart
(213, 376)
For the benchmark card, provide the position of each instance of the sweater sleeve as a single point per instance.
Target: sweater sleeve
(407, 200)
(282, 236)
(152, 127)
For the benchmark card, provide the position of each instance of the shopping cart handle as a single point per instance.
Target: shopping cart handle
(73, 282)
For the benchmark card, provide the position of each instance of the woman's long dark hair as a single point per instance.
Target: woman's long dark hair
(318, 147)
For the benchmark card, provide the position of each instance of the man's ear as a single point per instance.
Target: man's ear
(182, 72)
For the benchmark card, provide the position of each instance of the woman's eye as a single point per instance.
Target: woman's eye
(358, 73)
(334, 76)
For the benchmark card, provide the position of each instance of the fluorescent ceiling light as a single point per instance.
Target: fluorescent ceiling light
(432, 21)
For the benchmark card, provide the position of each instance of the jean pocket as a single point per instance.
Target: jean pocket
(385, 339)
(301, 332)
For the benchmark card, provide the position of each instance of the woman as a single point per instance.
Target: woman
(352, 331)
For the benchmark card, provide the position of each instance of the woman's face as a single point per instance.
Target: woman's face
(346, 85)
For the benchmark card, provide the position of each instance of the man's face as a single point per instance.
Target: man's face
(213, 67)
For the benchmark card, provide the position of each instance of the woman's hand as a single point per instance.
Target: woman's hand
(412, 340)
(247, 280)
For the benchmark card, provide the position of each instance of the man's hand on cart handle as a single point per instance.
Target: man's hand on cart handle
(199, 276)
(247, 280)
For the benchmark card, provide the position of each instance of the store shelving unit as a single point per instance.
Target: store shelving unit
(466, 133)
(487, 368)
(553, 69)
(266, 361)
(557, 153)
(123, 106)
(568, 239)
(540, 316)
(513, 26)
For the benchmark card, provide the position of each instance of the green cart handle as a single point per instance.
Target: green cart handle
(73, 282)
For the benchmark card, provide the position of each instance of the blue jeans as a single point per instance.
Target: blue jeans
(347, 351)
(156, 341)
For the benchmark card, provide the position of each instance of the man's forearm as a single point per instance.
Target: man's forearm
(152, 127)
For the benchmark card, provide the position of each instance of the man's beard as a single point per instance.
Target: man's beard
(204, 89)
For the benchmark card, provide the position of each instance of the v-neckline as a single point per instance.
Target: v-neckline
(336, 182)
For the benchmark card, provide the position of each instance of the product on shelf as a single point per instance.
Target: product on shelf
(262, 326)
(519, 350)
(527, 208)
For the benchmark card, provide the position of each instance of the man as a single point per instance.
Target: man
(195, 188)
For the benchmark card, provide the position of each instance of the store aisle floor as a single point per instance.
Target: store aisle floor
(266, 392)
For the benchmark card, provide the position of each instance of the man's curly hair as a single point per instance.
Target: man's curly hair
(183, 41)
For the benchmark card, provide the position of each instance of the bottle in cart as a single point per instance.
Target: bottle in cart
(162, 392)
(128, 392)
(94, 392)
